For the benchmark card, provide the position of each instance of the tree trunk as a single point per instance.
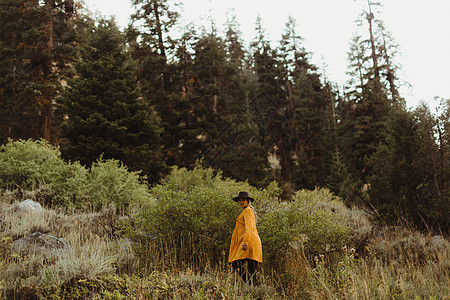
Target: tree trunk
(372, 43)
(46, 98)
(442, 157)
(390, 74)
(369, 18)
(215, 97)
(284, 161)
(162, 50)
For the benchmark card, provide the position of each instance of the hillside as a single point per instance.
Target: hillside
(170, 241)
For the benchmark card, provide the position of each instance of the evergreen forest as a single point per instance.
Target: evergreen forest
(255, 111)
(125, 147)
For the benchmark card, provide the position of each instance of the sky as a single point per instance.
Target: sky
(421, 29)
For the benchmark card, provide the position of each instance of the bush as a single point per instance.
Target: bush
(110, 182)
(38, 166)
(303, 223)
(193, 213)
(25, 164)
(359, 227)
(32, 165)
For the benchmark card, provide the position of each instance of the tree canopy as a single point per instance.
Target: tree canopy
(153, 98)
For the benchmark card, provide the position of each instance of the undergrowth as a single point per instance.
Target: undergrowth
(129, 241)
(397, 264)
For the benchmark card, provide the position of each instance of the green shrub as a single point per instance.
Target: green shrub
(25, 164)
(303, 223)
(110, 182)
(31, 165)
(194, 214)
(38, 166)
(194, 211)
(324, 227)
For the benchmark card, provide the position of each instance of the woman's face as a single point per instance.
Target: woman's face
(243, 203)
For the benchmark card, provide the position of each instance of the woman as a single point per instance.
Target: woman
(245, 242)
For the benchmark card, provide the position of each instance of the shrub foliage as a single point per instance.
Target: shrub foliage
(196, 208)
(30, 165)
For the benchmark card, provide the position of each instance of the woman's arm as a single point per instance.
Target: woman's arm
(249, 225)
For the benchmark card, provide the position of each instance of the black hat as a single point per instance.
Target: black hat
(243, 195)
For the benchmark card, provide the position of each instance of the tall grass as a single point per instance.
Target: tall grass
(91, 255)
(396, 264)
(394, 267)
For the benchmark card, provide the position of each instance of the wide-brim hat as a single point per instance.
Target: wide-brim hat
(243, 195)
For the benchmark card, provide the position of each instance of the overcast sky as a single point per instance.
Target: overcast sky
(421, 28)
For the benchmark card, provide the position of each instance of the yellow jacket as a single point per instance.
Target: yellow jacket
(245, 232)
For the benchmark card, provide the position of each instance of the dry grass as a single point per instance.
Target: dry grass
(403, 265)
(374, 278)
(397, 264)
(93, 252)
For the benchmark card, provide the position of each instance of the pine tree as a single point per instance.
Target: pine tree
(106, 115)
(235, 49)
(309, 100)
(293, 104)
(358, 68)
(395, 180)
(242, 139)
(338, 176)
(150, 40)
(388, 49)
(158, 74)
(228, 134)
(365, 109)
(266, 99)
(36, 46)
(181, 143)
(407, 178)
(433, 163)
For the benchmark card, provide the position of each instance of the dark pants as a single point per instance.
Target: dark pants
(250, 274)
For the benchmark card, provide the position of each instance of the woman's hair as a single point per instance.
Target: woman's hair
(254, 211)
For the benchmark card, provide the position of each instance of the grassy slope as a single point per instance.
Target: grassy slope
(398, 264)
